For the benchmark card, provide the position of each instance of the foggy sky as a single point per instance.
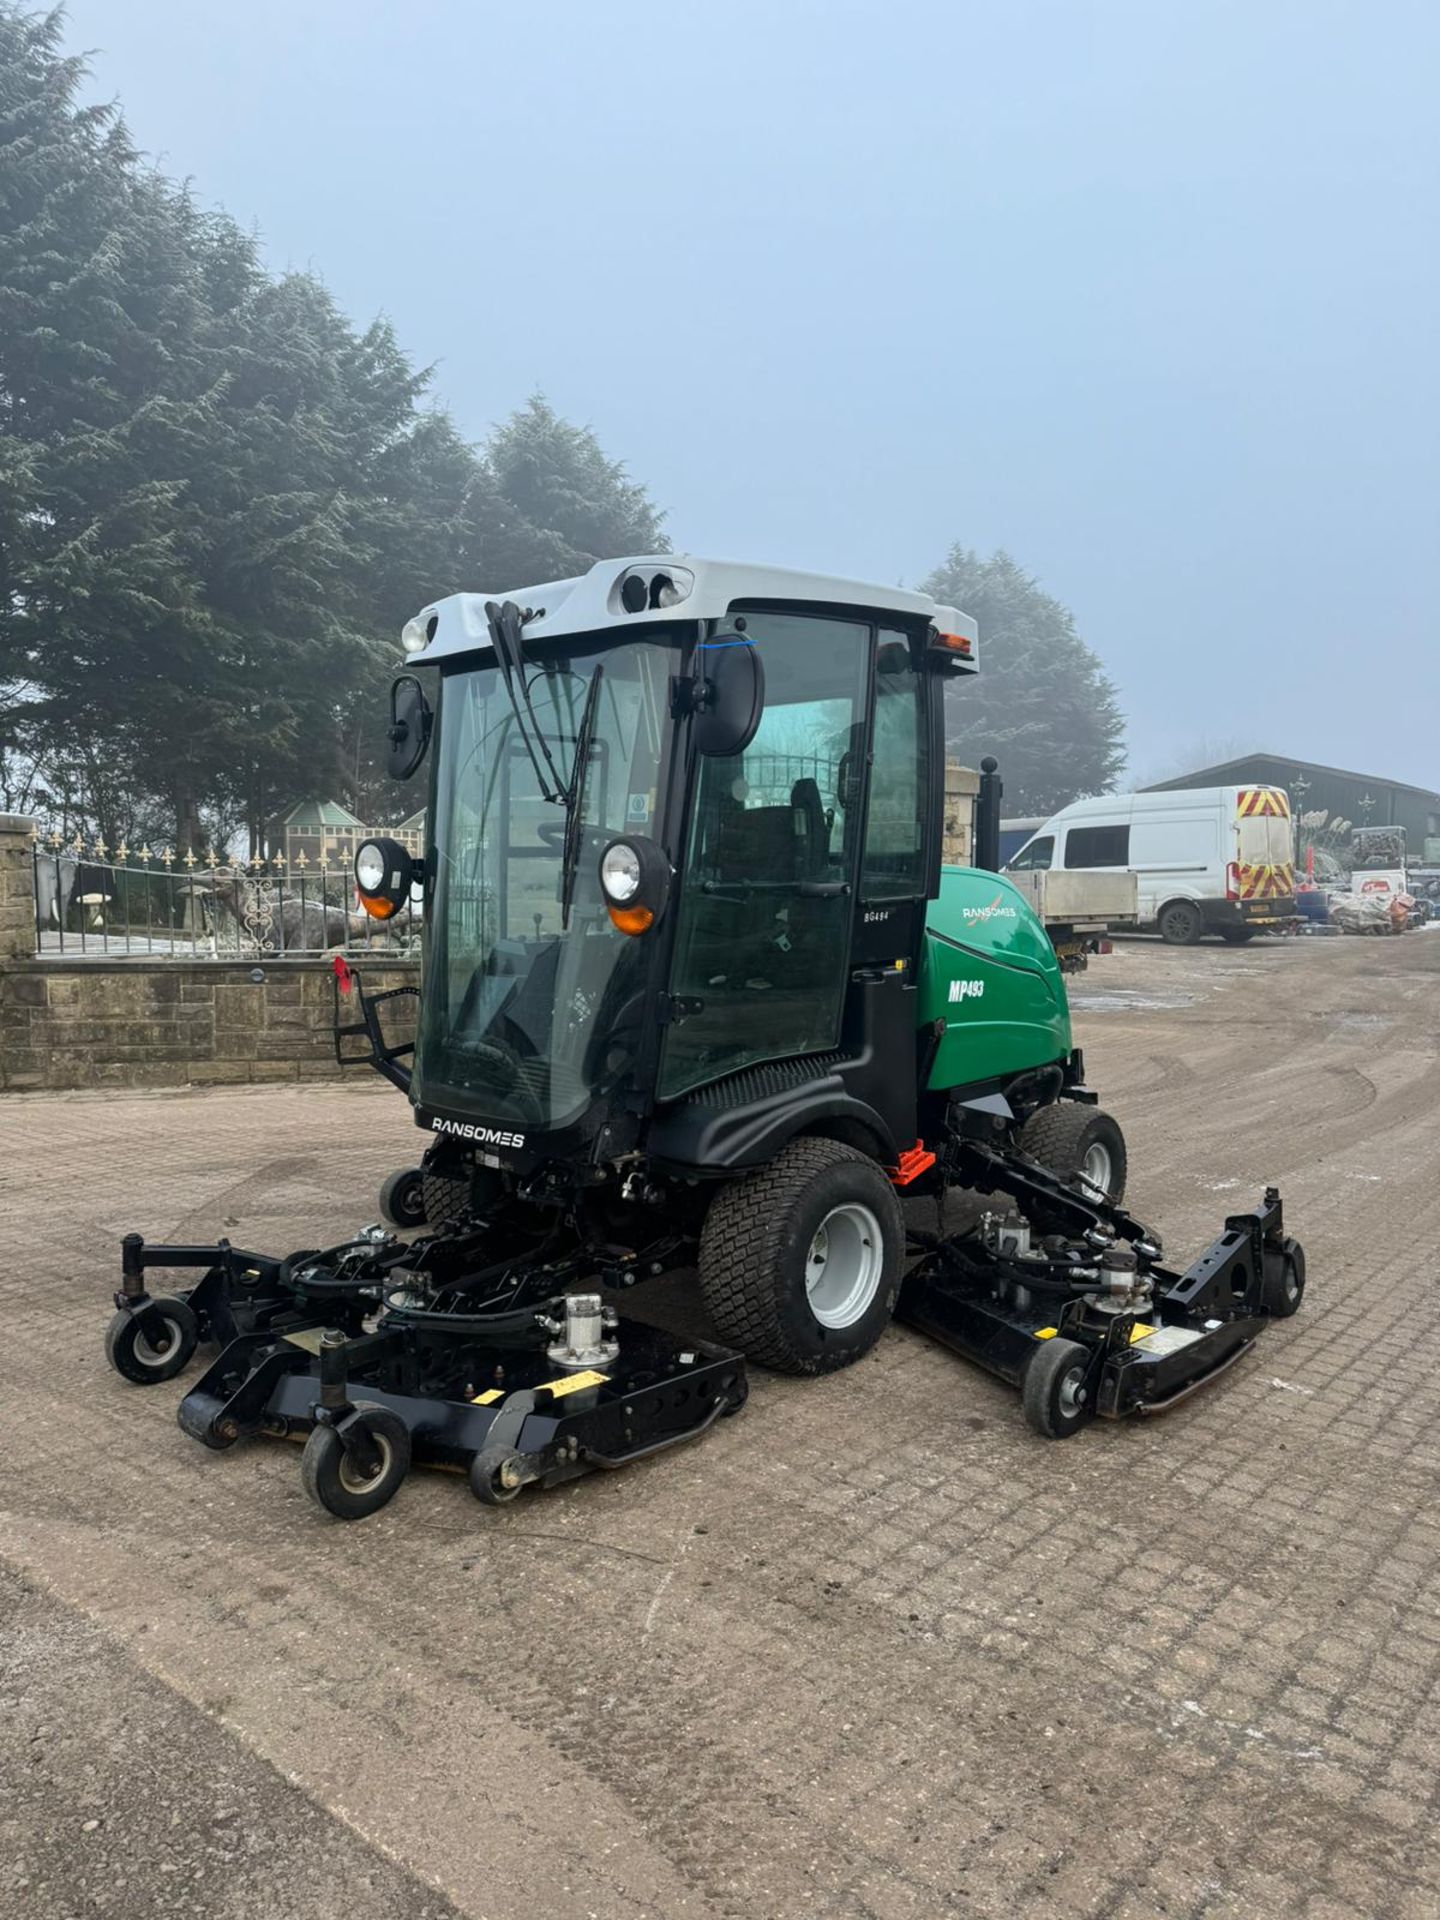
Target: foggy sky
(1144, 292)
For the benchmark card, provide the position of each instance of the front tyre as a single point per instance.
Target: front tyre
(152, 1343)
(1084, 1145)
(800, 1264)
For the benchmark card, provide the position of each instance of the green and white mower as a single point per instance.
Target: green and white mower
(698, 993)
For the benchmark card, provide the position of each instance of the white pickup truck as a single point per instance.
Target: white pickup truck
(1078, 908)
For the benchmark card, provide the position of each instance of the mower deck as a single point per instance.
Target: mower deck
(1143, 1337)
(383, 1351)
(462, 1403)
(513, 1388)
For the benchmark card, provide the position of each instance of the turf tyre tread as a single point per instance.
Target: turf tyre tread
(1059, 1134)
(743, 1250)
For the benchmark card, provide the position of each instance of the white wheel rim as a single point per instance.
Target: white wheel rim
(351, 1478)
(153, 1356)
(844, 1265)
(1097, 1168)
(1071, 1397)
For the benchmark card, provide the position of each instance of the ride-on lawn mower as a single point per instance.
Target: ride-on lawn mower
(697, 992)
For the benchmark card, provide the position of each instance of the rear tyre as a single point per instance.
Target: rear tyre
(800, 1264)
(333, 1480)
(1054, 1394)
(1084, 1145)
(1237, 936)
(1180, 923)
(1284, 1285)
(152, 1343)
(402, 1198)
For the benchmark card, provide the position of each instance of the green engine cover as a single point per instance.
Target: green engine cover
(990, 973)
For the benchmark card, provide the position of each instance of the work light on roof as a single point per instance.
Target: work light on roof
(418, 632)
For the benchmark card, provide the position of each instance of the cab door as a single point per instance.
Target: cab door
(767, 891)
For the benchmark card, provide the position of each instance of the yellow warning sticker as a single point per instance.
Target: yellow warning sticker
(572, 1383)
(1046, 1333)
(306, 1337)
(568, 1383)
(1140, 1331)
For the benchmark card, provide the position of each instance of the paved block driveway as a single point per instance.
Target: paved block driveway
(869, 1650)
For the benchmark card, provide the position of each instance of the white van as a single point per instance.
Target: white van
(1207, 860)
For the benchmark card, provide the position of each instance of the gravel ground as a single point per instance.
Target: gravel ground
(869, 1650)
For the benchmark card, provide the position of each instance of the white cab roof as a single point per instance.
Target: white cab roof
(706, 590)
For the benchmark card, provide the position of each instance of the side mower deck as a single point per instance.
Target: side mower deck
(1138, 1339)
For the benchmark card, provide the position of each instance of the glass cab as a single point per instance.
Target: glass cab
(539, 1012)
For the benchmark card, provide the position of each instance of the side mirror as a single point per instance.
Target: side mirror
(729, 694)
(409, 730)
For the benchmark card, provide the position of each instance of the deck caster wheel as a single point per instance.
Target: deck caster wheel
(402, 1198)
(1055, 1396)
(1284, 1285)
(335, 1482)
(152, 1343)
(495, 1476)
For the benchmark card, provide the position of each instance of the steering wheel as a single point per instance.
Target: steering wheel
(514, 1081)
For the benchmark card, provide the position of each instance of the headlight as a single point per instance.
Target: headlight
(384, 875)
(635, 880)
(370, 867)
(620, 872)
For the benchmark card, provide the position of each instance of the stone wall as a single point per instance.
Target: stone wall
(167, 1023)
(77, 1022)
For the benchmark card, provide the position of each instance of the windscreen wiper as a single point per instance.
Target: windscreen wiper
(505, 622)
(575, 793)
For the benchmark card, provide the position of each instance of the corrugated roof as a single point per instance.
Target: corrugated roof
(1228, 767)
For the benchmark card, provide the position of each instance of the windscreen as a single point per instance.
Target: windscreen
(529, 1011)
